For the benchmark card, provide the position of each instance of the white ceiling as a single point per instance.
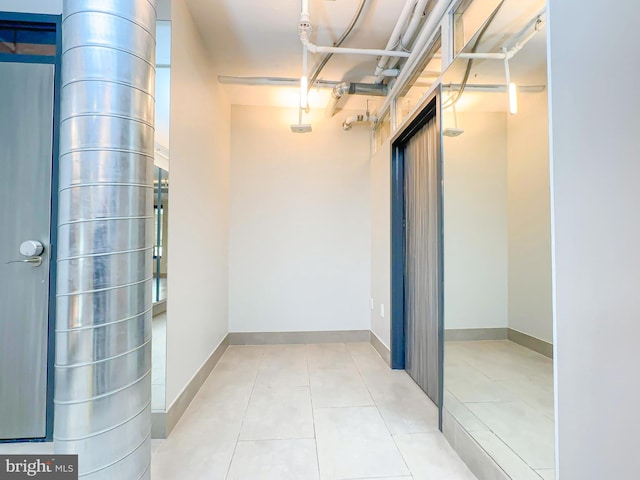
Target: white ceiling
(260, 38)
(253, 38)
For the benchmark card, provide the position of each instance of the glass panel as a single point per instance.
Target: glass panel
(161, 206)
(496, 212)
(161, 214)
(21, 38)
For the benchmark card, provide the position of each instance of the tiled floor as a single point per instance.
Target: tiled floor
(159, 362)
(333, 411)
(502, 394)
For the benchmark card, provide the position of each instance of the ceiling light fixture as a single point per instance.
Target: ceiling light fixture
(455, 131)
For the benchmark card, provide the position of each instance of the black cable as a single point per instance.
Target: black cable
(337, 43)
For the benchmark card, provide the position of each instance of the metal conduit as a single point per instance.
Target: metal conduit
(353, 88)
(103, 328)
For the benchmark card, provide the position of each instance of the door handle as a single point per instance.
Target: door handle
(36, 261)
(32, 249)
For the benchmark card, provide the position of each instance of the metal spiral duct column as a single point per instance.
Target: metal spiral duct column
(103, 328)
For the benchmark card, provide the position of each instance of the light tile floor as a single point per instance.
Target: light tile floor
(317, 412)
(332, 411)
(502, 394)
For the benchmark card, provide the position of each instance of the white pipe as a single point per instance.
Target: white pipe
(410, 33)
(390, 72)
(513, 93)
(427, 33)
(507, 70)
(304, 61)
(407, 38)
(483, 56)
(304, 30)
(304, 82)
(351, 51)
(272, 81)
(520, 45)
(395, 34)
(493, 88)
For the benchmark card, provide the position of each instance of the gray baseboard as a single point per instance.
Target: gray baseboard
(381, 348)
(285, 338)
(163, 422)
(475, 334)
(476, 458)
(532, 343)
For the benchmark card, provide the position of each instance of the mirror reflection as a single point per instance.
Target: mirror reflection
(498, 373)
(161, 215)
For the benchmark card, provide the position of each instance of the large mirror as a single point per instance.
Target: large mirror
(498, 373)
(161, 215)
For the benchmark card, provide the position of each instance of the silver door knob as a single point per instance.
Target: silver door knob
(31, 248)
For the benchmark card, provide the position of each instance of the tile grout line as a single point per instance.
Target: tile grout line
(506, 445)
(375, 404)
(253, 386)
(313, 415)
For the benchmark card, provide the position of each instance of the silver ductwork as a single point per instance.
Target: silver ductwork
(353, 88)
(105, 238)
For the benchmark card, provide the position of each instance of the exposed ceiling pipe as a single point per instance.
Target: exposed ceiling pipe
(395, 37)
(316, 72)
(367, 118)
(304, 31)
(416, 19)
(422, 43)
(351, 51)
(353, 88)
(407, 38)
(304, 82)
(493, 88)
(390, 72)
(273, 81)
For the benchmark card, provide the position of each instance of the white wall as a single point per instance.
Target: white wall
(300, 225)
(381, 242)
(475, 223)
(596, 237)
(530, 304)
(51, 7)
(199, 220)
